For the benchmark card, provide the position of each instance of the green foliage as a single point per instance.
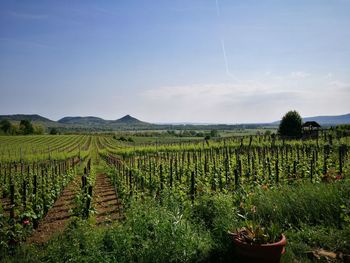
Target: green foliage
(267, 133)
(218, 212)
(214, 133)
(6, 126)
(173, 231)
(306, 239)
(26, 127)
(305, 203)
(150, 233)
(290, 125)
(253, 233)
(53, 131)
(181, 199)
(38, 129)
(207, 137)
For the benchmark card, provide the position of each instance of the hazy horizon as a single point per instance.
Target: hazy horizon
(218, 61)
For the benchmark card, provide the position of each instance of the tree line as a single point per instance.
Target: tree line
(25, 127)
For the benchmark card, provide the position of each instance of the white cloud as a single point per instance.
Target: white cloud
(340, 85)
(246, 100)
(299, 75)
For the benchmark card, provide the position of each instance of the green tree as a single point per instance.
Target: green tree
(26, 127)
(214, 133)
(6, 126)
(54, 131)
(291, 125)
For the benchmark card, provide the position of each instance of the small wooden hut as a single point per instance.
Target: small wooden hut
(311, 129)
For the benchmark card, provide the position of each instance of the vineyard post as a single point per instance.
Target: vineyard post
(46, 187)
(12, 196)
(150, 174)
(240, 168)
(161, 177)
(342, 151)
(227, 168)
(192, 187)
(5, 178)
(42, 186)
(277, 171)
(88, 201)
(236, 178)
(84, 181)
(220, 179)
(312, 165)
(130, 182)
(35, 184)
(325, 158)
(171, 172)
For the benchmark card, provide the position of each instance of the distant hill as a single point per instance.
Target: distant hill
(30, 117)
(127, 119)
(330, 120)
(92, 124)
(327, 120)
(90, 120)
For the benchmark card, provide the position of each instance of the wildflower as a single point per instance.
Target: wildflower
(338, 177)
(26, 222)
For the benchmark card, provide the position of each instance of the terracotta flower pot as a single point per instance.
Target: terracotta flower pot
(260, 252)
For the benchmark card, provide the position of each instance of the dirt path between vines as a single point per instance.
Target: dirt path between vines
(57, 217)
(105, 201)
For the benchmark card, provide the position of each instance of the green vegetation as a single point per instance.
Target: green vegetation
(6, 126)
(173, 231)
(290, 125)
(179, 199)
(25, 127)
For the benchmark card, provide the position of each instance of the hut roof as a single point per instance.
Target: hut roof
(311, 124)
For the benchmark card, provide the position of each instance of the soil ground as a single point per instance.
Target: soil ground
(105, 201)
(57, 217)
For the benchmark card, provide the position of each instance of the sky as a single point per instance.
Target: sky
(203, 61)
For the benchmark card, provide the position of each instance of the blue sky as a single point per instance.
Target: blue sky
(220, 61)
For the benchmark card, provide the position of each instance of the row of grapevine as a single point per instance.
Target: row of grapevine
(28, 190)
(227, 165)
(35, 148)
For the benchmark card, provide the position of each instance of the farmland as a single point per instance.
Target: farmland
(95, 187)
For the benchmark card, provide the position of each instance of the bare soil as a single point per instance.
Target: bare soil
(106, 202)
(58, 216)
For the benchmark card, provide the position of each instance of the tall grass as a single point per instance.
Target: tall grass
(311, 216)
(307, 203)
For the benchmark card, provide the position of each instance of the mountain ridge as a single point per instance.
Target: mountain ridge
(30, 117)
(128, 122)
(326, 119)
(127, 119)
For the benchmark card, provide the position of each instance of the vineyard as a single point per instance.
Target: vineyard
(225, 165)
(49, 181)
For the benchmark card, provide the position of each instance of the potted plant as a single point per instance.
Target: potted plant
(254, 243)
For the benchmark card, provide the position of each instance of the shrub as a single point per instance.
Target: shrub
(291, 125)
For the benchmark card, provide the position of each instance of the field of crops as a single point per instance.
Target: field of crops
(36, 171)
